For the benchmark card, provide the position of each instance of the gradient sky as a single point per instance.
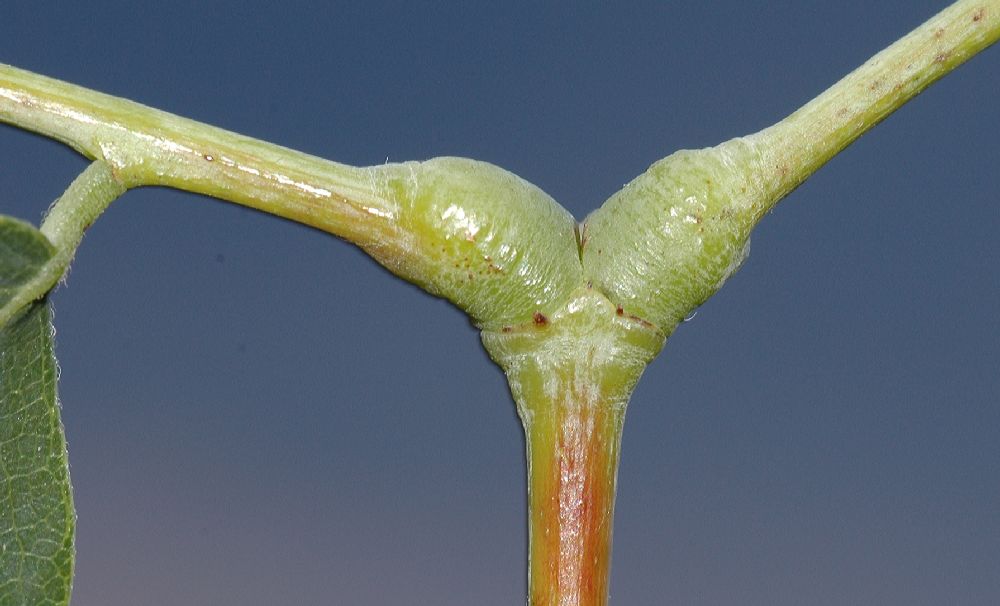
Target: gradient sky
(258, 414)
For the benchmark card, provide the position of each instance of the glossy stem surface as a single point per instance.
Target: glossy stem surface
(571, 374)
(573, 447)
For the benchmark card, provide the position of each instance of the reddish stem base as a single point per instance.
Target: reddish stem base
(572, 468)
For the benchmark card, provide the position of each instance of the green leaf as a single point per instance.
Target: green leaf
(23, 253)
(37, 520)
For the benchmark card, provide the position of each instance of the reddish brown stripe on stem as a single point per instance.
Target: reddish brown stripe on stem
(574, 458)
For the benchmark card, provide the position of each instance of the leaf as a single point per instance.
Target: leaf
(23, 253)
(37, 520)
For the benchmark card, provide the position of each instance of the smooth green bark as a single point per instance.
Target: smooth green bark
(572, 313)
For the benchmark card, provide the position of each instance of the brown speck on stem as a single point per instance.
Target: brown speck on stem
(209, 157)
(979, 14)
(540, 319)
(941, 57)
(643, 322)
(619, 310)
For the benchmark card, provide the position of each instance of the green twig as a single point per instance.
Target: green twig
(86, 198)
(669, 240)
(573, 321)
(798, 145)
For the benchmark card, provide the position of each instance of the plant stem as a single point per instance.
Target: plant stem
(145, 146)
(573, 445)
(79, 206)
(798, 145)
(70, 216)
(670, 238)
(571, 375)
(461, 229)
(480, 236)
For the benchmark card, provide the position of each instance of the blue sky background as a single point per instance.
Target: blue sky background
(258, 414)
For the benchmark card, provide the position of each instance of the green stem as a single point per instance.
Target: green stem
(798, 145)
(571, 375)
(573, 447)
(670, 238)
(83, 201)
(572, 325)
(471, 232)
(86, 198)
(146, 146)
